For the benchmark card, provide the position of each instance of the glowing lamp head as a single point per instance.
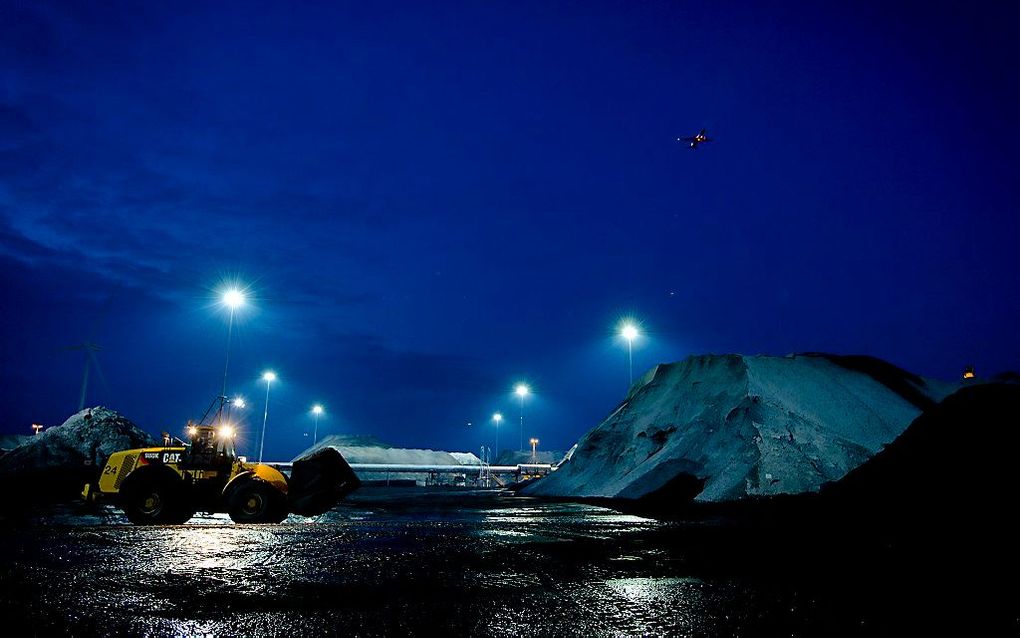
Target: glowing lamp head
(629, 332)
(192, 430)
(317, 409)
(233, 298)
(534, 441)
(497, 417)
(521, 390)
(238, 403)
(968, 372)
(269, 376)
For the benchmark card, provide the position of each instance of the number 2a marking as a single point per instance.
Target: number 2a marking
(110, 469)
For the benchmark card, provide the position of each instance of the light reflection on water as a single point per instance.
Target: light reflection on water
(493, 569)
(508, 533)
(593, 516)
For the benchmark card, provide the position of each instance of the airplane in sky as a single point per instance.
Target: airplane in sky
(696, 139)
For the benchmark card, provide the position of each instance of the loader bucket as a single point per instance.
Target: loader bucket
(318, 482)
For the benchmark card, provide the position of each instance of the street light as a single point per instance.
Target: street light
(497, 418)
(238, 403)
(269, 376)
(534, 453)
(317, 411)
(522, 390)
(630, 332)
(232, 298)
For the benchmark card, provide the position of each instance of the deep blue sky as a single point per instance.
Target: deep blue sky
(431, 201)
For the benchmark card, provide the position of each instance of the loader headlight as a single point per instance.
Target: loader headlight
(226, 432)
(192, 431)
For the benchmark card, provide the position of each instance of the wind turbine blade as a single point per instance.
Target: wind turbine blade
(99, 371)
(84, 386)
(97, 323)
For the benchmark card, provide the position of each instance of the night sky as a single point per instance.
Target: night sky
(430, 202)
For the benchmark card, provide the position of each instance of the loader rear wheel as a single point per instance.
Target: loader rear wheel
(155, 500)
(256, 501)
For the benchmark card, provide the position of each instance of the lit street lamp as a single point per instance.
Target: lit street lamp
(38, 428)
(233, 299)
(236, 403)
(497, 418)
(630, 332)
(522, 391)
(317, 412)
(268, 377)
(534, 450)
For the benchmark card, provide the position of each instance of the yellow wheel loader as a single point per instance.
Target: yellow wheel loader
(167, 485)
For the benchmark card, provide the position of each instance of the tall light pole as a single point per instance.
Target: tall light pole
(233, 299)
(497, 418)
(522, 391)
(630, 332)
(317, 412)
(534, 450)
(269, 376)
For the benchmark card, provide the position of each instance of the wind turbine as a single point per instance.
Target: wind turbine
(90, 350)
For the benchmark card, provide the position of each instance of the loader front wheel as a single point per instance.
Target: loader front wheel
(256, 501)
(154, 500)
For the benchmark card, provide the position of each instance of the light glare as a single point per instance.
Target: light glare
(269, 376)
(522, 390)
(316, 409)
(629, 332)
(233, 298)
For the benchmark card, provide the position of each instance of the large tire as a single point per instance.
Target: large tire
(256, 501)
(155, 499)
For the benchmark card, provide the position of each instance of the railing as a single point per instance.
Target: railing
(410, 468)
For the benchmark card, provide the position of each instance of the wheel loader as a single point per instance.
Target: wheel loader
(167, 485)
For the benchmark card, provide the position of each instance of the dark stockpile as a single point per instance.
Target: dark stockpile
(57, 463)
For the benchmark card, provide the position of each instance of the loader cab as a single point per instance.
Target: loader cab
(209, 446)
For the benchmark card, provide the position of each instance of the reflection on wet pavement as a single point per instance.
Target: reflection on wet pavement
(480, 565)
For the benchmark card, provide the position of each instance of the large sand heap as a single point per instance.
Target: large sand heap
(733, 426)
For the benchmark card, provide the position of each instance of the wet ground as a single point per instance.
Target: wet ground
(410, 562)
